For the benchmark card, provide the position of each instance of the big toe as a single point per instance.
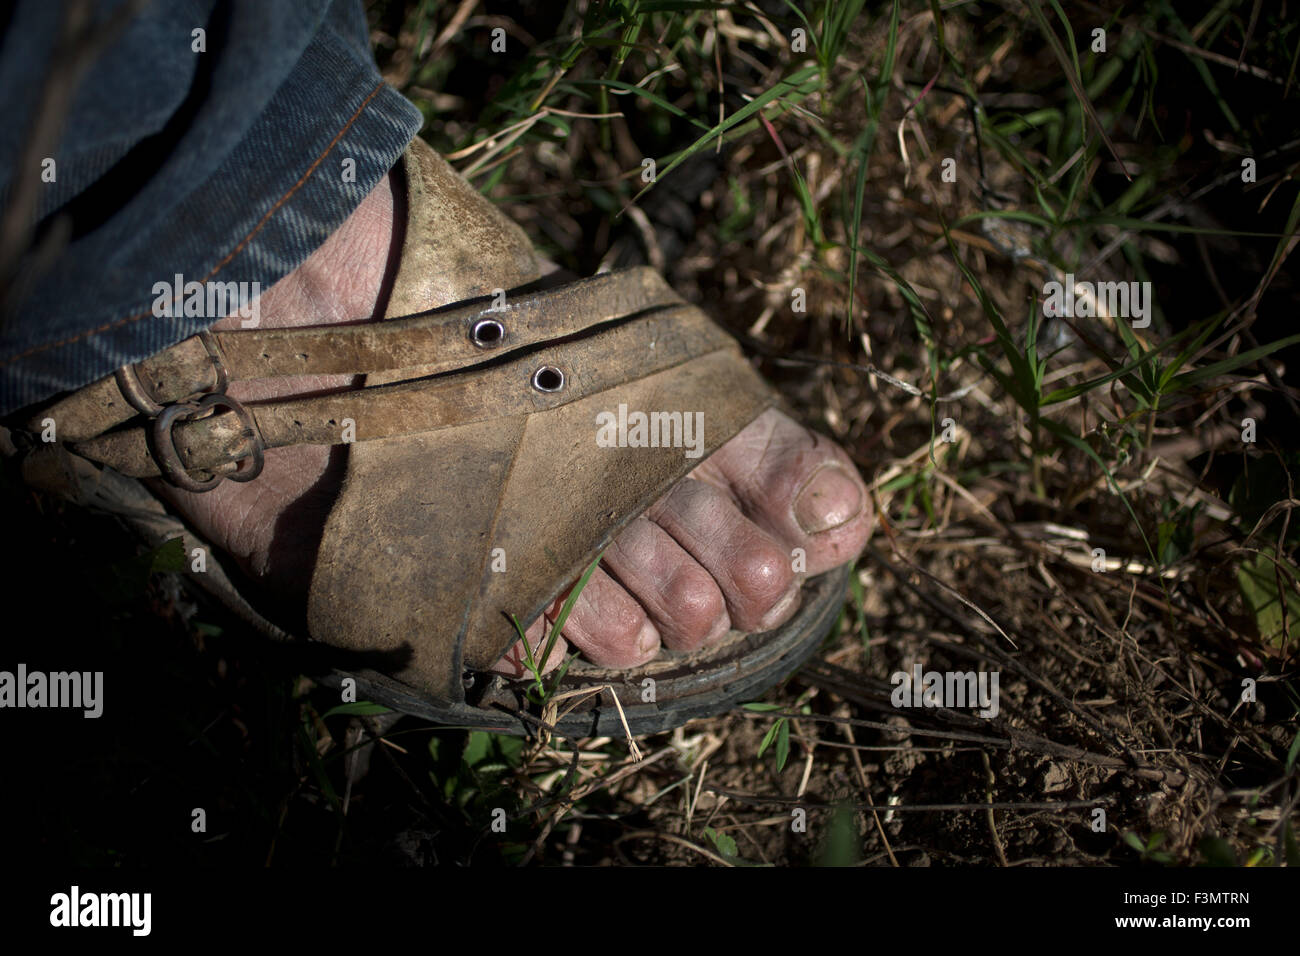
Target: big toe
(797, 485)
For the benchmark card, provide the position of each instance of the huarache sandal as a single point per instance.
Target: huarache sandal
(476, 428)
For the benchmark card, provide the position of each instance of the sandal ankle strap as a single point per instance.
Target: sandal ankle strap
(476, 361)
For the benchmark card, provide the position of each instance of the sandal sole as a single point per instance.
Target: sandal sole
(686, 687)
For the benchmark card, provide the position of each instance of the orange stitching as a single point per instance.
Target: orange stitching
(116, 323)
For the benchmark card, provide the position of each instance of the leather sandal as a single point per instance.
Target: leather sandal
(475, 428)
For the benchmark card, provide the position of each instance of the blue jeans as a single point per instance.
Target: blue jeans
(226, 155)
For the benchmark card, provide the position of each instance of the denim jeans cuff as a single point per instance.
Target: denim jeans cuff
(330, 133)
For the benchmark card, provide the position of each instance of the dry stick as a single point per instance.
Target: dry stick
(1267, 517)
(554, 818)
(1023, 739)
(656, 835)
(759, 800)
(959, 735)
(1254, 795)
(866, 792)
(902, 144)
(351, 760)
(1209, 55)
(1269, 372)
(560, 810)
(837, 678)
(943, 584)
(1003, 658)
(571, 841)
(1170, 777)
(810, 748)
(1014, 739)
(452, 28)
(551, 715)
(693, 802)
(898, 749)
(755, 345)
(1283, 817)
(1114, 583)
(633, 749)
(993, 827)
(1253, 738)
(1144, 687)
(582, 793)
(743, 829)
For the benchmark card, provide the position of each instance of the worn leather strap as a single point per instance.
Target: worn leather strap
(658, 339)
(438, 340)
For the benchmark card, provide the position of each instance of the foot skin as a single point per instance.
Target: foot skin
(715, 553)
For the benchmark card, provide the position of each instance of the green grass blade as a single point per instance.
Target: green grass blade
(642, 93)
(1198, 375)
(1070, 67)
(803, 82)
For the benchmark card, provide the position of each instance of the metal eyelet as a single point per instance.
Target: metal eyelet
(548, 378)
(169, 459)
(487, 333)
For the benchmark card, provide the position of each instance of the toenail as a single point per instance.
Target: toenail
(775, 616)
(647, 638)
(830, 498)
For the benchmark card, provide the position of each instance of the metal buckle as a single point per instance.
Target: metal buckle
(223, 377)
(129, 384)
(139, 397)
(169, 459)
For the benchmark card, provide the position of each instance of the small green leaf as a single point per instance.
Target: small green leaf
(362, 708)
(1217, 852)
(510, 748)
(477, 745)
(1260, 855)
(726, 846)
(782, 744)
(169, 556)
(1257, 579)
